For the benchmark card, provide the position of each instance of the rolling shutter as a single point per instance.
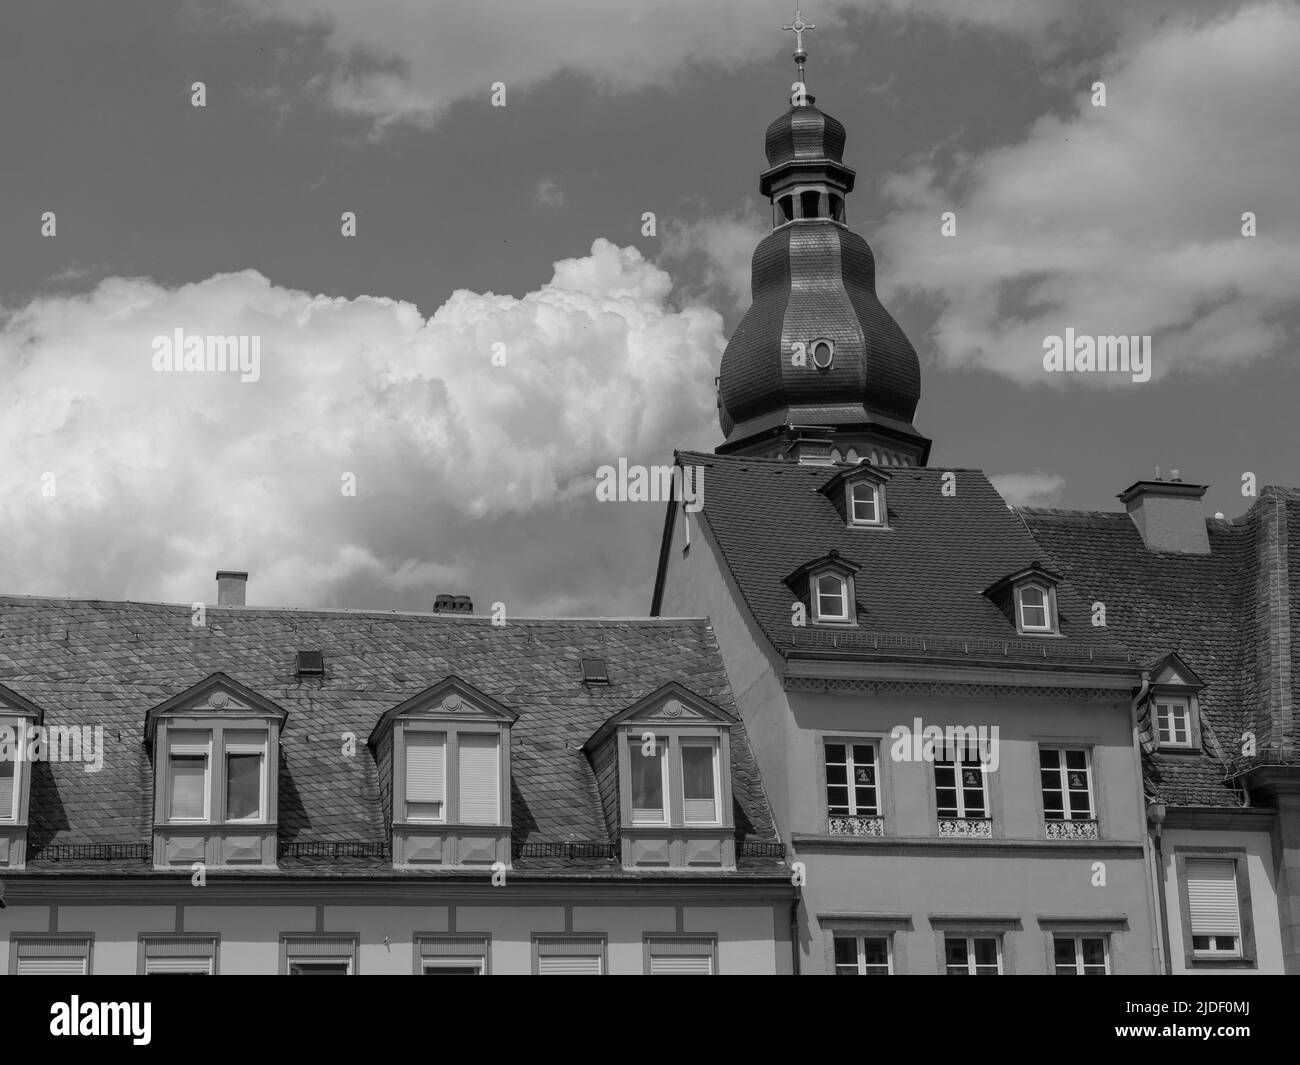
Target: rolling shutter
(1212, 897)
(426, 765)
(189, 769)
(480, 778)
(572, 956)
(8, 772)
(53, 957)
(681, 956)
(178, 966)
(180, 954)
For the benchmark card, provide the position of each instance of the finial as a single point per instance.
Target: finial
(799, 26)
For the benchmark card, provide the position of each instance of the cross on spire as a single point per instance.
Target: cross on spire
(799, 26)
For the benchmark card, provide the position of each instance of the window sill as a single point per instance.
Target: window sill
(1206, 961)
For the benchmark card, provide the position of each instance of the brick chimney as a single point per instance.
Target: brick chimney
(453, 604)
(1168, 515)
(231, 587)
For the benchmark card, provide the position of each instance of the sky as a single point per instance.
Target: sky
(436, 393)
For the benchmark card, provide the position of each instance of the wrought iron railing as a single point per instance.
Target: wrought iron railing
(1080, 828)
(966, 827)
(857, 825)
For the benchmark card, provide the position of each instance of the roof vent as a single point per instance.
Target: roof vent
(594, 671)
(453, 604)
(311, 664)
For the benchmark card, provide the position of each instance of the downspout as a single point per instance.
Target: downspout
(1153, 858)
(794, 936)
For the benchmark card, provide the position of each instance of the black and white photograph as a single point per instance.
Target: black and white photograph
(650, 487)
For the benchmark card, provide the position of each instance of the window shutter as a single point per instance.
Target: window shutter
(189, 786)
(7, 775)
(574, 956)
(480, 779)
(670, 965)
(426, 760)
(1212, 897)
(53, 957)
(160, 966)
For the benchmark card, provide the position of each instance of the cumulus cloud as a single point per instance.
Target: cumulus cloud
(473, 435)
(718, 251)
(1029, 489)
(1125, 219)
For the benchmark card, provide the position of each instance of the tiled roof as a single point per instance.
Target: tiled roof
(921, 584)
(1222, 612)
(107, 663)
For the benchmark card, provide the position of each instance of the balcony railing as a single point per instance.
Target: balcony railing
(1077, 829)
(966, 827)
(857, 825)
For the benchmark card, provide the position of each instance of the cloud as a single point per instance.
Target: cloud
(718, 252)
(1029, 489)
(549, 193)
(474, 435)
(1124, 219)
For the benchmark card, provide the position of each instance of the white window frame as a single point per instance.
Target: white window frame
(713, 746)
(1183, 705)
(1049, 620)
(262, 748)
(970, 951)
(313, 963)
(877, 504)
(407, 802)
(849, 765)
(1213, 951)
(831, 619)
(958, 765)
(18, 728)
(661, 745)
(1077, 939)
(190, 750)
(465, 962)
(1066, 813)
(860, 949)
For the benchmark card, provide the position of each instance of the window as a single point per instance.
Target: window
(649, 782)
(864, 499)
(8, 789)
(1080, 955)
(480, 778)
(959, 790)
(700, 782)
(179, 955)
(426, 784)
(973, 955)
(823, 354)
(863, 956)
(837, 208)
(323, 955)
(851, 780)
(245, 776)
(187, 776)
(451, 955)
(1067, 784)
(831, 598)
(1214, 907)
(786, 204)
(681, 955)
(52, 955)
(1174, 720)
(571, 956)
(1035, 608)
(808, 201)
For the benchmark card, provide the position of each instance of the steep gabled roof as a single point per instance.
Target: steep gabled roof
(921, 585)
(91, 663)
(1229, 615)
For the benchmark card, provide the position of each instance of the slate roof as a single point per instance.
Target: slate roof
(107, 663)
(920, 589)
(1215, 610)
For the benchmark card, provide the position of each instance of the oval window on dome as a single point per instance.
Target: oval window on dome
(823, 353)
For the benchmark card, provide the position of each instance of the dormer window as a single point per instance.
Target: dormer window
(215, 759)
(670, 756)
(864, 503)
(1028, 600)
(1174, 721)
(832, 600)
(858, 494)
(1033, 602)
(446, 788)
(1171, 710)
(18, 716)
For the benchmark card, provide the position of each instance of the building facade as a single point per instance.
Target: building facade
(996, 741)
(242, 790)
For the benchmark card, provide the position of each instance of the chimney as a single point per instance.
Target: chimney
(453, 604)
(1168, 515)
(231, 587)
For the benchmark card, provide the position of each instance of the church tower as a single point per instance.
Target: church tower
(817, 370)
